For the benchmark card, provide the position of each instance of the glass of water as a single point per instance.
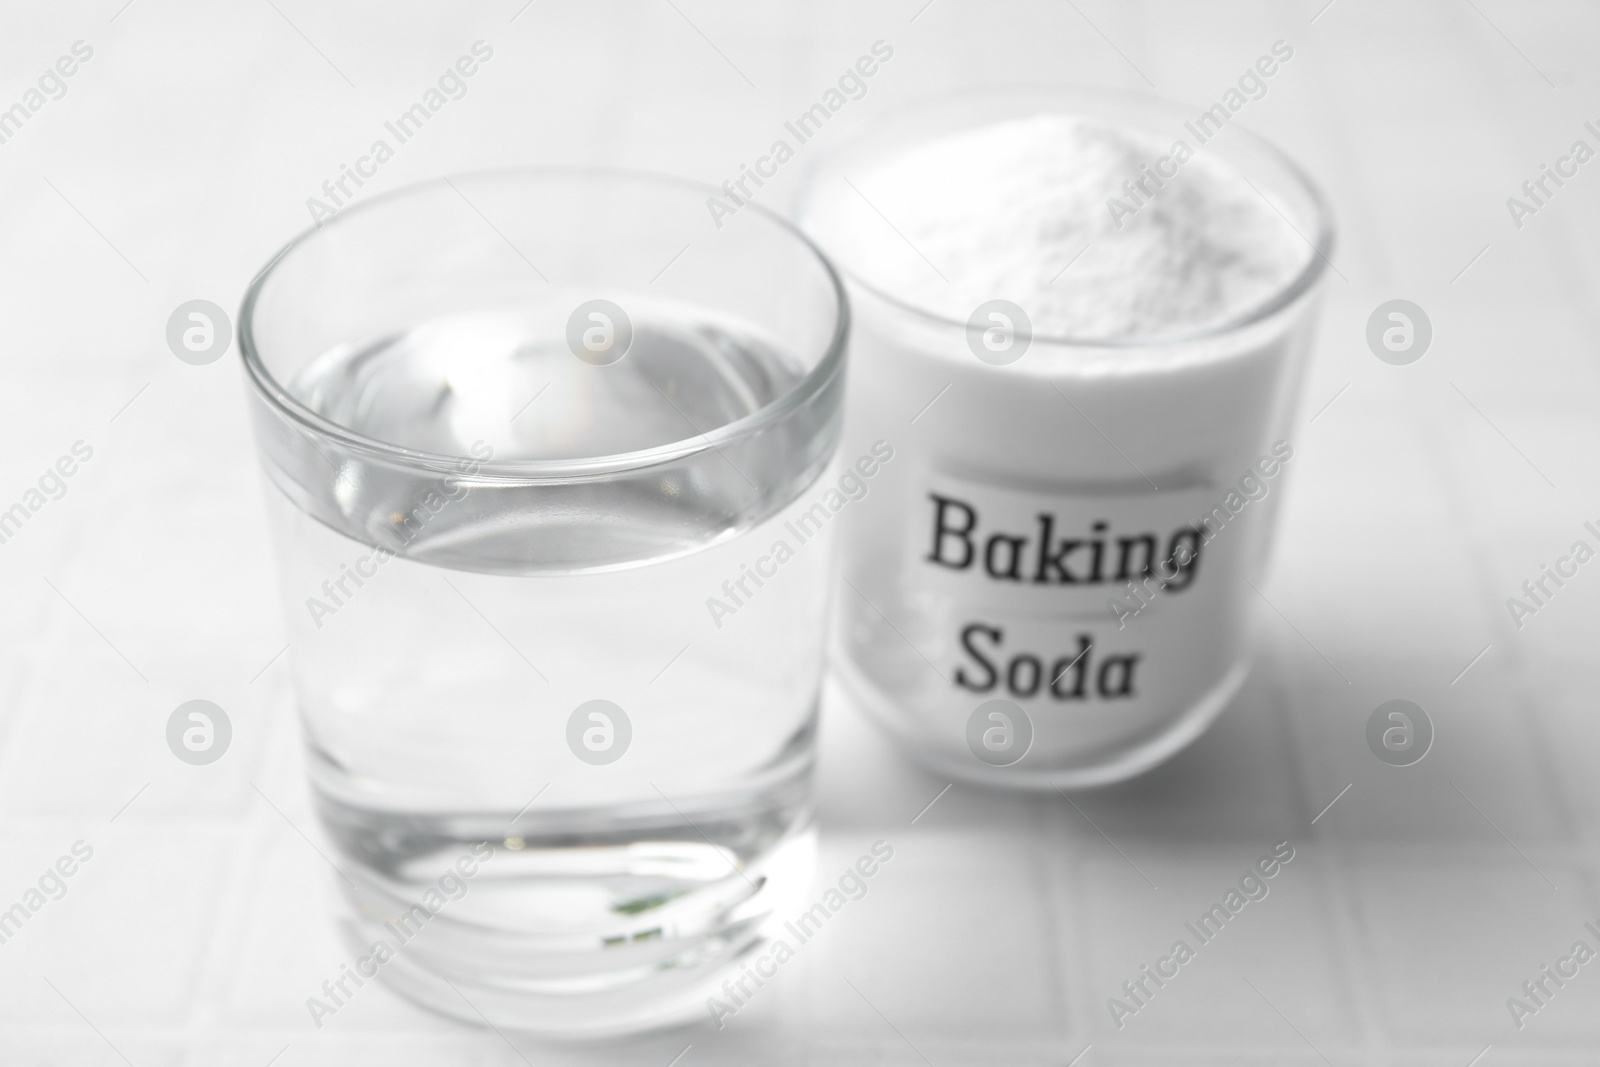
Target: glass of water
(537, 443)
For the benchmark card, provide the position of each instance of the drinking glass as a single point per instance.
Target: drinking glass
(524, 433)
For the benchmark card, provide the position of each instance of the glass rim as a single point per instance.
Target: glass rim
(287, 404)
(1057, 96)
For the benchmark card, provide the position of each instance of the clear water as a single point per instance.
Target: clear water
(435, 699)
(512, 382)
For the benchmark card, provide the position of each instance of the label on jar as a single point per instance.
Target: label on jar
(1084, 599)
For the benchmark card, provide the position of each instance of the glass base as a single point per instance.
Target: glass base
(612, 924)
(1140, 754)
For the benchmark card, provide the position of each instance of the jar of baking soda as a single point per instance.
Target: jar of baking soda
(1080, 326)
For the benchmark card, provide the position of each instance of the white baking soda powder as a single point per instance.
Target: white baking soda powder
(1071, 219)
(1052, 587)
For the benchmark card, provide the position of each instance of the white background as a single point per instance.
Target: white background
(1422, 497)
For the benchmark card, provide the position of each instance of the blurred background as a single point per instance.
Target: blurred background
(181, 154)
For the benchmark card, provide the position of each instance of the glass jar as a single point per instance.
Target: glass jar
(1051, 583)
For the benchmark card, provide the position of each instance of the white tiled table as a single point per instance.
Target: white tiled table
(180, 159)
